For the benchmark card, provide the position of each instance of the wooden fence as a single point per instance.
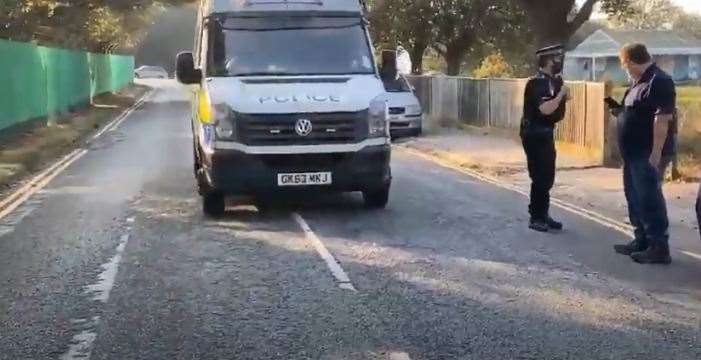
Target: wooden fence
(498, 103)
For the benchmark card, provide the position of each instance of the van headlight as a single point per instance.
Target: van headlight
(378, 126)
(224, 122)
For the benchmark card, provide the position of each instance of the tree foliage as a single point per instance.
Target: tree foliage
(555, 21)
(95, 25)
(689, 23)
(494, 66)
(406, 22)
(654, 15)
(461, 31)
(645, 14)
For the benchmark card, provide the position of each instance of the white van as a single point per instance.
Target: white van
(287, 97)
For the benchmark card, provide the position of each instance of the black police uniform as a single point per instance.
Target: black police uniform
(537, 135)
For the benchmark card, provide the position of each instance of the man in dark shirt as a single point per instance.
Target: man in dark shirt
(669, 151)
(643, 126)
(544, 105)
(698, 210)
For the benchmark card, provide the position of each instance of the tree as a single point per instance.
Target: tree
(645, 14)
(471, 29)
(689, 23)
(405, 22)
(494, 66)
(555, 21)
(97, 25)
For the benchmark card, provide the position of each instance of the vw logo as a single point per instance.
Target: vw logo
(303, 127)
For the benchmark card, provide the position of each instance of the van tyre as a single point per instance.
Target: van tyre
(213, 204)
(376, 199)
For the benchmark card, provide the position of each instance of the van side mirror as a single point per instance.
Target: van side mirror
(388, 72)
(185, 69)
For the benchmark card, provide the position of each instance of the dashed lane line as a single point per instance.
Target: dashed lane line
(337, 271)
(81, 345)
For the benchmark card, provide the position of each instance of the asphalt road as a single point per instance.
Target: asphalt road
(114, 260)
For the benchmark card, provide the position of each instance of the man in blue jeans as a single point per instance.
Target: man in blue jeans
(643, 125)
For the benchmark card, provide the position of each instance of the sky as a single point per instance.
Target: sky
(688, 5)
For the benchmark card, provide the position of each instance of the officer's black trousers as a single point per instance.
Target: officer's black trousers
(541, 155)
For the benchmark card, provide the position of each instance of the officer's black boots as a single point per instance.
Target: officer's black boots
(554, 225)
(631, 247)
(539, 225)
(655, 254)
(545, 225)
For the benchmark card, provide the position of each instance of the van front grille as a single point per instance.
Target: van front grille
(279, 129)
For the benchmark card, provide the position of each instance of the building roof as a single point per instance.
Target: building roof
(607, 42)
(286, 6)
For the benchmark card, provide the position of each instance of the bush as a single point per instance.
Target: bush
(494, 66)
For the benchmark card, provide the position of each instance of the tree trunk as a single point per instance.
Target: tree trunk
(417, 58)
(550, 19)
(454, 56)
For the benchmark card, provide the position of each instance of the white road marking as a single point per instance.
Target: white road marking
(82, 343)
(112, 125)
(8, 224)
(333, 265)
(399, 356)
(691, 254)
(38, 183)
(102, 288)
(36, 179)
(596, 217)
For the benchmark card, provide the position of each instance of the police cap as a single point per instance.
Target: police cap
(554, 50)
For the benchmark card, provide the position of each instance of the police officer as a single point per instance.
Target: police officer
(544, 106)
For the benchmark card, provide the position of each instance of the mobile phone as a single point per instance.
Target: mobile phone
(611, 102)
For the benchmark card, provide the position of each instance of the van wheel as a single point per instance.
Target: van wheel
(213, 204)
(376, 199)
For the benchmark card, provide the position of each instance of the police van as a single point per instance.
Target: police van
(287, 96)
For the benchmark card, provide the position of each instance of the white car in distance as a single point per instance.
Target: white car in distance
(150, 72)
(405, 112)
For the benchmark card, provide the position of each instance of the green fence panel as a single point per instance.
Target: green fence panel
(37, 81)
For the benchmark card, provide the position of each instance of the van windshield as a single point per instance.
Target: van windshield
(288, 46)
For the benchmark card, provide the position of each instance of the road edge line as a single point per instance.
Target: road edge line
(125, 114)
(337, 271)
(40, 184)
(594, 216)
(12, 201)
